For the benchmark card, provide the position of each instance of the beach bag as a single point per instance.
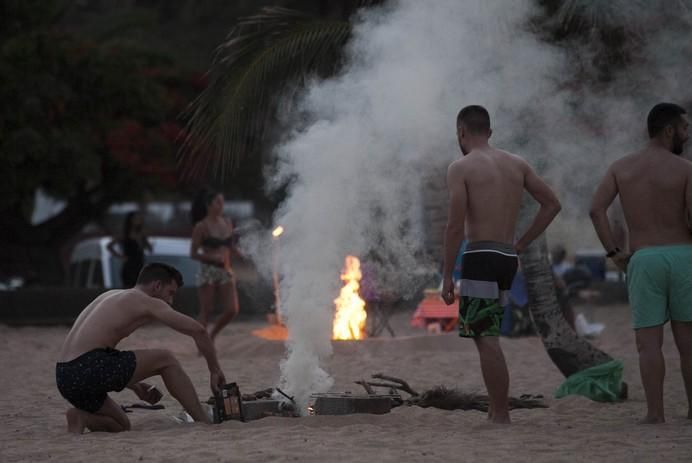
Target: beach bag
(601, 383)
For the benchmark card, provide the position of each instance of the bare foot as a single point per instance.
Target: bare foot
(75, 423)
(499, 419)
(652, 420)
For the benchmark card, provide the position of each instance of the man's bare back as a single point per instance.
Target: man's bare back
(111, 317)
(494, 182)
(655, 189)
(485, 192)
(486, 189)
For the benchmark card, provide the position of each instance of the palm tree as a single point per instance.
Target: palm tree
(273, 53)
(568, 352)
(265, 56)
(611, 34)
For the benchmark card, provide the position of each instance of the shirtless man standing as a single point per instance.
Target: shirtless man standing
(655, 188)
(485, 192)
(89, 365)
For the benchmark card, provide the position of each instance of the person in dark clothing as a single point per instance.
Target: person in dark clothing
(132, 244)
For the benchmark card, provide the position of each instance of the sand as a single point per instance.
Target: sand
(571, 429)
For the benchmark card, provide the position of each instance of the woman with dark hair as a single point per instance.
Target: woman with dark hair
(212, 244)
(132, 244)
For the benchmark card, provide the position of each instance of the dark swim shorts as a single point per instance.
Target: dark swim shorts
(487, 271)
(86, 381)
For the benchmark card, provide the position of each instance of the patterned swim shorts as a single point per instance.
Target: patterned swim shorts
(86, 381)
(487, 271)
(213, 275)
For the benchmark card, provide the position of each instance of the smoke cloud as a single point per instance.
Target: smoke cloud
(371, 137)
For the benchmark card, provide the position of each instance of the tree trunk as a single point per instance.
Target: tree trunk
(568, 352)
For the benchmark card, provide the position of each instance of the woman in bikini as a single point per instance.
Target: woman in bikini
(212, 245)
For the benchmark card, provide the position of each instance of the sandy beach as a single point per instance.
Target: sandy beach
(571, 429)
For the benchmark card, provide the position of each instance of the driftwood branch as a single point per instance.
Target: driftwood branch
(393, 388)
(366, 386)
(444, 398)
(400, 383)
(454, 399)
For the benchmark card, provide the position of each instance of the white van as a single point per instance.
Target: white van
(93, 266)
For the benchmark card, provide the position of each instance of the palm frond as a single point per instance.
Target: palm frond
(599, 14)
(263, 56)
(630, 16)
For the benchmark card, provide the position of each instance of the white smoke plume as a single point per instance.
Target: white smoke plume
(376, 131)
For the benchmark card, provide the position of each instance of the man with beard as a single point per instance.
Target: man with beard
(655, 188)
(486, 187)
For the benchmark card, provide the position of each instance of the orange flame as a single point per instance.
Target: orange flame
(349, 320)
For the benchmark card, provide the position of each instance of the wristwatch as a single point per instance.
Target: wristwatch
(612, 253)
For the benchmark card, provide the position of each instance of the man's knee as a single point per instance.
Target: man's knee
(649, 339)
(682, 332)
(156, 360)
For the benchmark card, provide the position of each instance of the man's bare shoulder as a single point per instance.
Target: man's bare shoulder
(628, 159)
(457, 167)
(646, 158)
(682, 163)
(105, 296)
(130, 297)
(513, 159)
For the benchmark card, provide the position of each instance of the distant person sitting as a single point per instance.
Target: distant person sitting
(132, 244)
(569, 280)
(558, 258)
(90, 367)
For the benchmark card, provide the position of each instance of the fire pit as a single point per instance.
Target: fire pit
(347, 403)
(256, 409)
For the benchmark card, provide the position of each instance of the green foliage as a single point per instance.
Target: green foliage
(265, 58)
(80, 117)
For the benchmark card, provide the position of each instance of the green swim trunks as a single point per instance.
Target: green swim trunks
(659, 285)
(487, 271)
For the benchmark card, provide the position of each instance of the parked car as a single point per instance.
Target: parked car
(93, 266)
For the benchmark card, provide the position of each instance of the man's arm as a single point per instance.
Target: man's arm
(454, 233)
(550, 207)
(602, 199)
(186, 325)
(688, 198)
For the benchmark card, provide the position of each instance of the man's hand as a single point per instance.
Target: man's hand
(448, 291)
(519, 247)
(147, 392)
(217, 380)
(621, 260)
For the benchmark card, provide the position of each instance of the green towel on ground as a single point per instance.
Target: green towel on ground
(601, 383)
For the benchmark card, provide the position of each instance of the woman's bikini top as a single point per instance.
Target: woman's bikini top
(215, 243)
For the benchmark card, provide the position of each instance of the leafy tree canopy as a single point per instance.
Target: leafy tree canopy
(89, 122)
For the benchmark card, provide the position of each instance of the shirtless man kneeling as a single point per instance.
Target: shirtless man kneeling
(89, 365)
